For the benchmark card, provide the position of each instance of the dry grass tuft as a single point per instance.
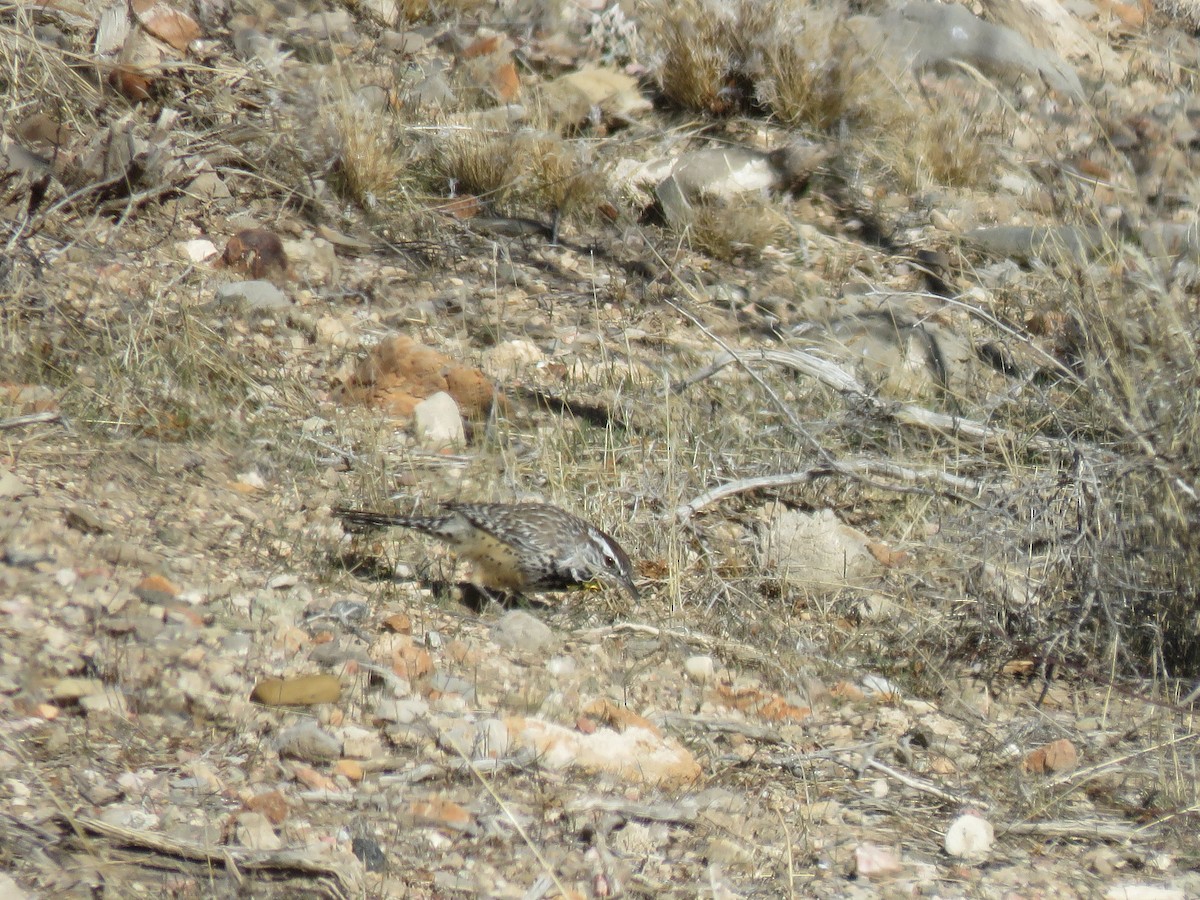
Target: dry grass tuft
(698, 63)
(810, 69)
(531, 172)
(737, 231)
(371, 165)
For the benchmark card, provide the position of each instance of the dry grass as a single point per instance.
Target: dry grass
(371, 164)
(530, 172)
(738, 231)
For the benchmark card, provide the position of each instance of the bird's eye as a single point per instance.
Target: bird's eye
(610, 561)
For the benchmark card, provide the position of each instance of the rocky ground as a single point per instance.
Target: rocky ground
(868, 332)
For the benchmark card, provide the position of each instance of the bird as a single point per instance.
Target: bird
(516, 547)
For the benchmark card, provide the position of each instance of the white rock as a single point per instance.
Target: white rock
(970, 837)
(9, 889)
(510, 358)
(561, 666)
(11, 485)
(254, 831)
(332, 331)
(438, 421)
(197, 251)
(700, 669)
(401, 711)
(252, 479)
(128, 816)
(878, 686)
(309, 742)
(871, 859)
(816, 551)
(360, 743)
(1143, 892)
(254, 296)
(492, 739)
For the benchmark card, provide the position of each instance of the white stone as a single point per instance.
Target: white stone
(438, 421)
(197, 251)
(9, 890)
(970, 837)
(510, 358)
(700, 669)
(518, 630)
(255, 832)
(1143, 892)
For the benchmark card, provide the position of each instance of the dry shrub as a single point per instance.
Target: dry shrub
(800, 63)
(371, 165)
(738, 231)
(811, 69)
(699, 62)
(1090, 558)
(942, 145)
(530, 170)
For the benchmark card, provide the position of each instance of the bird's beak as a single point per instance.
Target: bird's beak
(629, 587)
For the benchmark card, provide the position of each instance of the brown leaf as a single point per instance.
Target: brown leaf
(505, 82)
(166, 23)
(130, 83)
(271, 804)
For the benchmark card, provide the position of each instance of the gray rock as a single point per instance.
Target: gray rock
(309, 742)
(1069, 243)
(11, 485)
(934, 34)
(253, 296)
(518, 630)
(727, 173)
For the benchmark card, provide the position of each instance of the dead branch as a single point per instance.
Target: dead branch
(346, 872)
(30, 419)
(959, 487)
(843, 382)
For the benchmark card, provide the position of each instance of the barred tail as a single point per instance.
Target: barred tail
(364, 519)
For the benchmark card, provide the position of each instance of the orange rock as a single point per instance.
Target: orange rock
(399, 373)
(462, 653)
(847, 691)
(471, 390)
(47, 711)
(763, 704)
(505, 81)
(156, 589)
(618, 717)
(399, 623)
(314, 780)
(412, 662)
(439, 812)
(350, 768)
(271, 804)
(1057, 756)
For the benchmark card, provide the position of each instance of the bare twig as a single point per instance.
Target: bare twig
(840, 380)
(925, 787)
(726, 726)
(958, 487)
(1108, 831)
(346, 871)
(672, 813)
(37, 418)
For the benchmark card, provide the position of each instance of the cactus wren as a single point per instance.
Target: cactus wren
(516, 547)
